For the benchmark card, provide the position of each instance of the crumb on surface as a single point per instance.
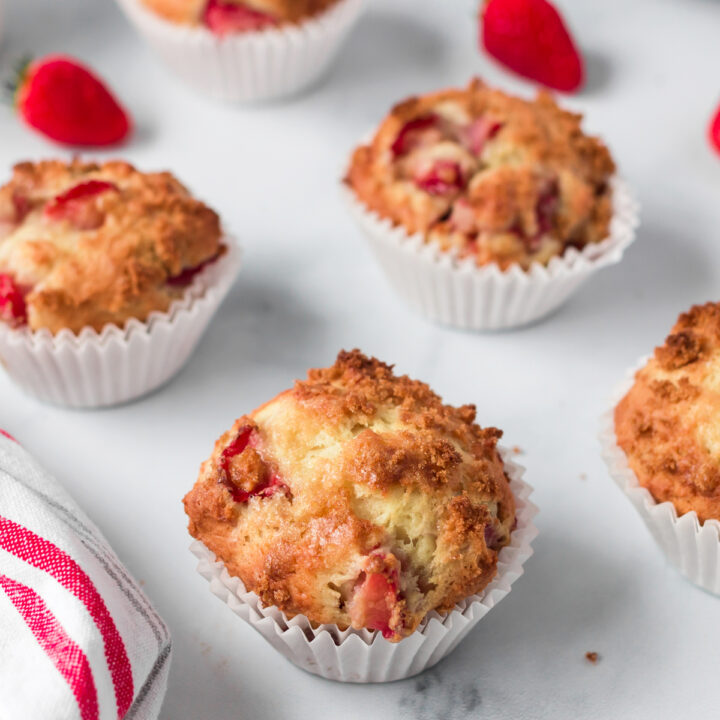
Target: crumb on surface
(592, 657)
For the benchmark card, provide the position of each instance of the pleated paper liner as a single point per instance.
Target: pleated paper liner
(119, 364)
(454, 291)
(362, 656)
(692, 547)
(247, 66)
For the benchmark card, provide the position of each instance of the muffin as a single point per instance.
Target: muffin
(245, 50)
(356, 499)
(493, 177)
(93, 251)
(84, 245)
(667, 424)
(662, 446)
(227, 16)
(474, 179)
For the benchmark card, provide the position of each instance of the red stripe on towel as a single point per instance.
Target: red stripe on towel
(44, 555)
(65, 654)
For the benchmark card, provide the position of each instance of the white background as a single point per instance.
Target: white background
(310, 287)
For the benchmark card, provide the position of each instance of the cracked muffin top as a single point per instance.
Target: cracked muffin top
(229, 16)
(493, 177)
(668, 425)
(85, 245)
(356, 498)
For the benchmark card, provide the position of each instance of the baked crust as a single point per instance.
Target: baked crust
(494, 177)
(668, 425)
(356, 484)
(104, 256)
(283, 11)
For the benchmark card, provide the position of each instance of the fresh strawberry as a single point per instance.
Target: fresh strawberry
(64, 101)
(714, 130)
(12, 301)
(224, 18)
(530, 37)
(77, 207)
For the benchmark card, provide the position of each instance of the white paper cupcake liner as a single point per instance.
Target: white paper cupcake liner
(94, 369)
(693, 548)
(247, 66)
(454, 291)
(362, 656)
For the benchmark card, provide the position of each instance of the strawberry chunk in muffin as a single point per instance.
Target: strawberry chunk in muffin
(227, 17)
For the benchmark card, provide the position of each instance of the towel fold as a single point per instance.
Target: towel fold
(78, 638)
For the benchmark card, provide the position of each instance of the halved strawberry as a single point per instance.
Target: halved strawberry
(224, 18)
(530, 37)
(66, 102)
(12, 301)
(75, 205)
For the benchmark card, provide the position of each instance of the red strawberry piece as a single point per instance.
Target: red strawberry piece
(444, 177)
(479, 132)
(412, 132)
(462, 218)
(186, 276)
(75, 205)
(224, 18)
(714, 130)
(492, 537)
(66, 102)
(530, 37)
(21, 205)
(244, 439)
(237, 446)
(12, 302)
(374, 598)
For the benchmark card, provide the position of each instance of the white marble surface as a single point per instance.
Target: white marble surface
(310, 287)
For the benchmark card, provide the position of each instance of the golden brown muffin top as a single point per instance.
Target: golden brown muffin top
(491, 176)
(668, 425)
(241, 15)
(87, 245)
(357, 498)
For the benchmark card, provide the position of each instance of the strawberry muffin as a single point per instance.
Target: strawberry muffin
(488, 176)
(357, 499)
(230, 16)
(245, 50)
(84, 245)
(667, 424)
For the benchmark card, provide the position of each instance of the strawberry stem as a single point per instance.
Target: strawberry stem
(12, 85)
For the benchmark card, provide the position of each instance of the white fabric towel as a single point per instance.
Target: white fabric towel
(78, 638)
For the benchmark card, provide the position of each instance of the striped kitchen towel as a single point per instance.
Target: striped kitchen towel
(78, 638)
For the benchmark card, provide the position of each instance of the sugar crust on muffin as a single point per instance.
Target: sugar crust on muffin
(84, 245)
(493, 177)
(667, 424)
(356, 498)
(237, 15)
